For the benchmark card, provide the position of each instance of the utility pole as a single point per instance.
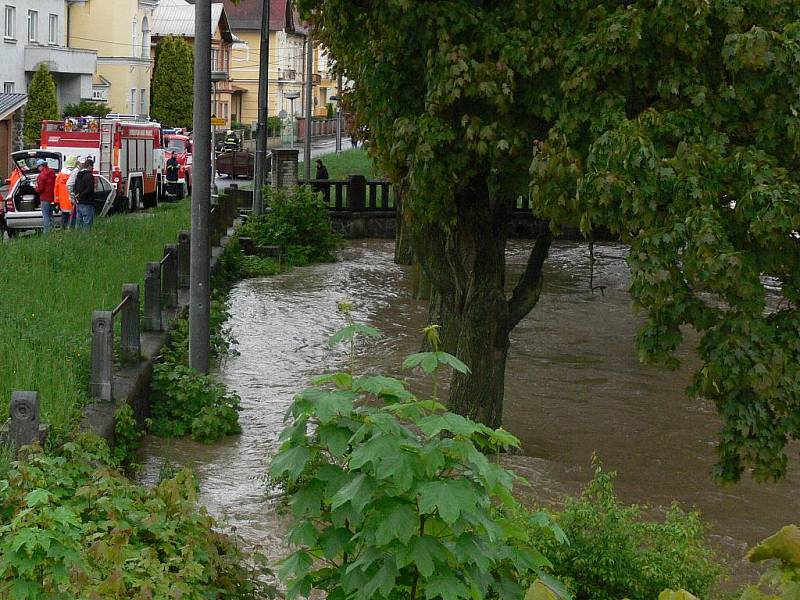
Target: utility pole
(339, 115)
(263, 112)
(309, 86)
(200, 251)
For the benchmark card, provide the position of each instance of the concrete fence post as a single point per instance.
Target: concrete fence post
(130, 340)
(183, 259)
(24, 426)
(152, 297)
(100, 384)
(214, 226)
(169, 277)
(357, 192)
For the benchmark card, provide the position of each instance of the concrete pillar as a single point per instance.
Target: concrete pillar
(100, 383)
(130, 340)
(152, 297)
(183, 259)
(24, 427)
(284, 168)
(169, 277)
(357, 193)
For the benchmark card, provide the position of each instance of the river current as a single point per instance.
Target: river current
(574, 388)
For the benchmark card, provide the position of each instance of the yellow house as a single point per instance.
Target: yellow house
(287, 44)
(119, 30)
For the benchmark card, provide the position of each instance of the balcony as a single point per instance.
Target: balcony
(67, 61)
(287, 75)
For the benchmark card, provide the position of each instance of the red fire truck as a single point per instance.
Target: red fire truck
(126, 150)
(180, 143)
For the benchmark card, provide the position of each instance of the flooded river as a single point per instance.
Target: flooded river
(574, 387)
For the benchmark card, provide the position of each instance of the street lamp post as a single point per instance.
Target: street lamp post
(292, 96)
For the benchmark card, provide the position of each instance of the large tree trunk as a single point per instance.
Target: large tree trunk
(467, 269)
(403, 252)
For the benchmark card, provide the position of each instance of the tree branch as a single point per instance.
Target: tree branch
(529, 287)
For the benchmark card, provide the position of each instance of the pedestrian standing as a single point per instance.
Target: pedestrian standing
(83, 190)
(353, 139)
(322, 174)
(63, 195)
(45, 187)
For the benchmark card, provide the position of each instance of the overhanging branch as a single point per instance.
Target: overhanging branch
(529, 287)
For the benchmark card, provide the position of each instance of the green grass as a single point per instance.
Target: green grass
(341, 166)
(48, 290)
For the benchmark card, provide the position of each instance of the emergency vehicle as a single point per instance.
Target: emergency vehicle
(177, 141)
(126, 150)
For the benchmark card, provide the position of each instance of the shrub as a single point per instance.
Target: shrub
(394, 497)
(299, 223)
(185, 401)
(86, 108)
(172, 95)
(613, 552)
(73, 527)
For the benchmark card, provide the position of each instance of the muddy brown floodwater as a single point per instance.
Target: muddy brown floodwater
(574, 387)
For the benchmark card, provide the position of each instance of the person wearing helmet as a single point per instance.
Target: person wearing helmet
(45, 187)
(63, 196)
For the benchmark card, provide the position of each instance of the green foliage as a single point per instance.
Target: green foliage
(42, 104)
(298, 222)
(172, 96)
(391, 508)
(73, 527)
(274, 126)
(614, 552)
(782, 580)
(187, 402)
(673, 123)
(127, 435)
(86, 108)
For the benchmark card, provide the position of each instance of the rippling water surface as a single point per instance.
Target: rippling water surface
(574, 387)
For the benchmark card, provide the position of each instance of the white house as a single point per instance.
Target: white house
(35, 32)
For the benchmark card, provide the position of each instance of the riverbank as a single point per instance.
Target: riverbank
(48, 290)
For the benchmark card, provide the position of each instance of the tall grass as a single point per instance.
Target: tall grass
(48, 290)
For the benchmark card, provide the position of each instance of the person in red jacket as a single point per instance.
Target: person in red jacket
(45, 187)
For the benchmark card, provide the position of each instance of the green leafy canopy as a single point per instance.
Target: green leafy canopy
(673, 123)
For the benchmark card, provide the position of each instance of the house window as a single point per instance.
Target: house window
(33, 25)
(133, 101)
(11, 19)
(214, 59)
(8, 87)
(52, 37)
(145, 38)
(98, 95)
(143, 102)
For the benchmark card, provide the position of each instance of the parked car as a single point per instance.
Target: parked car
(22, 206)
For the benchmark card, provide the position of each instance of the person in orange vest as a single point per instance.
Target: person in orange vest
(16, 175)
(63, 198)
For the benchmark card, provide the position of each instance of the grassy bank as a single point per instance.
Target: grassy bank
(48, 290)
(341, 166)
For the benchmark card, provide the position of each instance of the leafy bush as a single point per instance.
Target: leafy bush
(274, 126)
(185, 401)
(42, 104)
(398, 497)
(86, 108)
(299, 223)
(614, 553)
(127, 435)
(73, 527)
(782, 580)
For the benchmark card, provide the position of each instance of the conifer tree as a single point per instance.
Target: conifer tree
(172, 94)
(42, 104)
